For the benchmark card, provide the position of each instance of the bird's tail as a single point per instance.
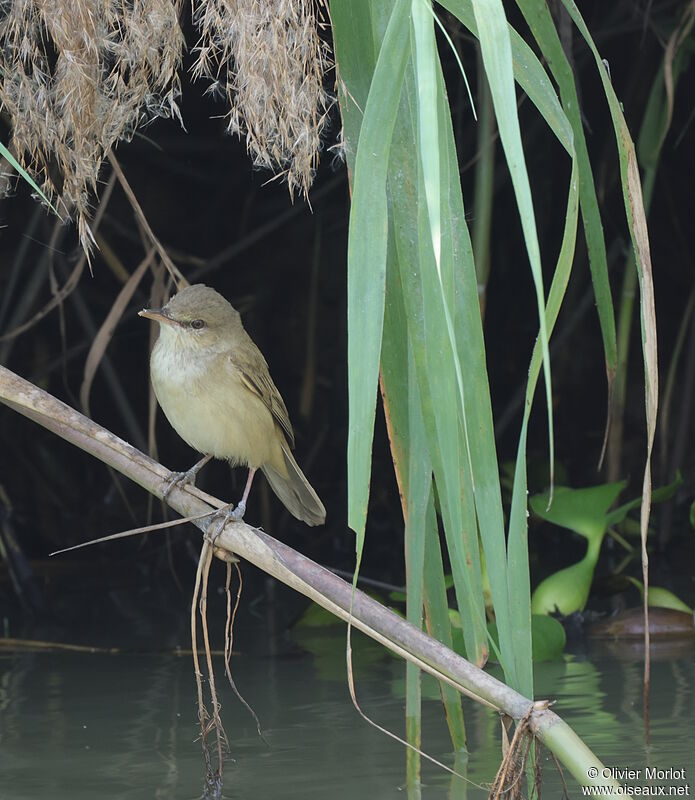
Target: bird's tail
(295, 491)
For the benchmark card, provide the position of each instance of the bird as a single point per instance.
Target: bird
(214, 386)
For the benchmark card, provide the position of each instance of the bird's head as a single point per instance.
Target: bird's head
(197, 318)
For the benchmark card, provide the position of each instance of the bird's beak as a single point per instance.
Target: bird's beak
(158, 315)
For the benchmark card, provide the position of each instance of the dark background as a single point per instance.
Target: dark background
(205, 202)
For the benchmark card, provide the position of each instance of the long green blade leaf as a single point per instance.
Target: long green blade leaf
(496, 51)
(537, 15)
(367, 259)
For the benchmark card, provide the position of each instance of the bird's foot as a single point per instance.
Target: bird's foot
(179, 479)
(223, 515)
(186, 478)
(217, 523)
(238, 513)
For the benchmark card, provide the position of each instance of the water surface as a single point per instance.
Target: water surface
(119, 726)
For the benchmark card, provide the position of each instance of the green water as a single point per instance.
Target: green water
(124, 726)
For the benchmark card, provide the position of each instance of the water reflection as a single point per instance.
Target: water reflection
(124, 726)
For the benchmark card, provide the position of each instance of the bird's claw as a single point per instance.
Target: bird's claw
(224, 515)
(186, 478)
(179, 479)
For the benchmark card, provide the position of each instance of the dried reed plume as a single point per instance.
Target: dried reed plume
(266, 58)
(78, 75)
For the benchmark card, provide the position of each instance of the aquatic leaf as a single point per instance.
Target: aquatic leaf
(659, 495)
(581, 510)
(661, 598)
(547, 634)
(567, 590)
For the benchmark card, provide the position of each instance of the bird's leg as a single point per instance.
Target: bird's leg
(240, 510)
(182, 478)
(228, 512)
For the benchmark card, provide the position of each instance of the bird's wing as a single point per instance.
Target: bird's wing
(253, 371)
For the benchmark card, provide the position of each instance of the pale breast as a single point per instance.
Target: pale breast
(211, 410)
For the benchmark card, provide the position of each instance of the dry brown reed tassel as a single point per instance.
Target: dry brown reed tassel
(267, 59)
(78, 75)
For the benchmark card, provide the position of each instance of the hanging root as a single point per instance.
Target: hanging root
(229, 638)
(203, 714)
(213, 777)
(510, 779)
(215, 723)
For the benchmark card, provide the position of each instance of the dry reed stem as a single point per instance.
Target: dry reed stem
(73, 278)
(301, 574)
(108, 326)
(173, 270)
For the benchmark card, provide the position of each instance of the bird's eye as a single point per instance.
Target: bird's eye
(198, 324)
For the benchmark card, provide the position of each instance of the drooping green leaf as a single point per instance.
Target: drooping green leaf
(537, 15)
(517, 558)
(434, 360)
(637, 224)
(509, 576)
(495, 46)
(367, 259)
(356, 53)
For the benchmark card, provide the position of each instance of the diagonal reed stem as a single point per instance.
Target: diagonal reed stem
(306, 577)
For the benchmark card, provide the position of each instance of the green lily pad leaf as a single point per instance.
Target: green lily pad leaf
(583, 511)
(547, 635)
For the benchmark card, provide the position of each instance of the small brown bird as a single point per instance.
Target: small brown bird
(214, 387)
